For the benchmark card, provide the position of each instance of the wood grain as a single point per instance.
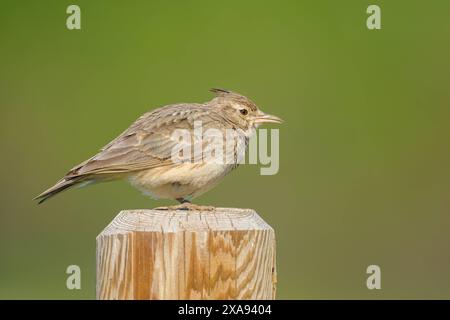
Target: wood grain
(153, 254)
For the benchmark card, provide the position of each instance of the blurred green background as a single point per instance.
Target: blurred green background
(364, 158)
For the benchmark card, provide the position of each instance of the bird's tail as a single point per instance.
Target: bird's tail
(60, 186)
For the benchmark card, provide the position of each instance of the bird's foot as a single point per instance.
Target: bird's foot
(196, 207)
(188, 207)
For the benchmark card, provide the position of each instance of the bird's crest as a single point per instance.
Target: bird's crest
(223, 93)
(220, 92)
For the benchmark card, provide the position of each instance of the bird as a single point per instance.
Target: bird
(144, 153)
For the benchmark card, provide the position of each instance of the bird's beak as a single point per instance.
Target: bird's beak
(267, 118)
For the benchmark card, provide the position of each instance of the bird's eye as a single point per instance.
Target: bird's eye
(243, 112)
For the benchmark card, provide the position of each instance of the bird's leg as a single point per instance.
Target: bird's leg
(187, 205)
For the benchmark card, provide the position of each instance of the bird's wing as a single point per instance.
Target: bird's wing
(147, 143)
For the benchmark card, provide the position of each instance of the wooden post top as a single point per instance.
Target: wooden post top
(226, 253)
(149, 220)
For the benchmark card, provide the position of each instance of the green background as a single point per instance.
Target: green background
(364, 151)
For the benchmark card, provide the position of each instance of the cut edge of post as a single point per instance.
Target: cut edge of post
(151, 220)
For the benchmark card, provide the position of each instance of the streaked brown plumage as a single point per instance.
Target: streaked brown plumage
(142, 153)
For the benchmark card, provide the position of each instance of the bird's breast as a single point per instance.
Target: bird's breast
(184, 180)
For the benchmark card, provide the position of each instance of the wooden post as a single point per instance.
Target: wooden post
(154, 254)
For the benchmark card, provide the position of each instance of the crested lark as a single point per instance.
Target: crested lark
(143, 153)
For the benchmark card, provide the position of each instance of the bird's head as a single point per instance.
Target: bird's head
(240, 110)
